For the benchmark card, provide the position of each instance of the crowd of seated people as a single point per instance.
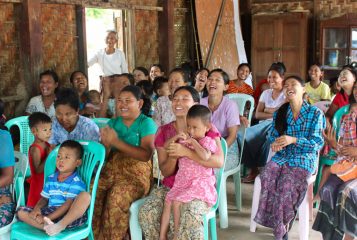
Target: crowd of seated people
(149, 111)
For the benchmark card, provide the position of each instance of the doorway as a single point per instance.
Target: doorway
(98, 21)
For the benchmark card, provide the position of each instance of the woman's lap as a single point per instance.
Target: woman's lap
(337, 213)
(256, 146)
(191, 216)
(7, 212)
(283, 189)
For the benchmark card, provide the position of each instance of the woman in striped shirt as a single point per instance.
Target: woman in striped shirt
(238, 85)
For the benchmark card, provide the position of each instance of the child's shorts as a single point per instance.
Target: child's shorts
(45, 211)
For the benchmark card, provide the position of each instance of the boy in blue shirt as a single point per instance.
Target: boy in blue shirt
(64, 199)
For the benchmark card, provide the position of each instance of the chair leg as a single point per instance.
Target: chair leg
(318, 178)
(91, 235)
(304, 218)
(238, 190)
(255, 203)
(213, 228)
(222, 207)
(205, 229)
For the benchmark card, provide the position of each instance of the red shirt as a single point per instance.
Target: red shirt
(341, 99)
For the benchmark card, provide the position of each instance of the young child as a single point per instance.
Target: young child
(192, 181)
(316, 89)
(41, 127)
(161, 87)
(95, 101)
(59, 193)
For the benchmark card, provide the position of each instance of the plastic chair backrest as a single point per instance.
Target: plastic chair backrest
(26, 136)
(92, 163)
(337, 117)
(101, 122)
(219, 181)
(21, 166)
(323, 105)
(241, 99)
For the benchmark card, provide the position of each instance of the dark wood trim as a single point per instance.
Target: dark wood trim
(31, 44)
(166, 36)
(82, 40)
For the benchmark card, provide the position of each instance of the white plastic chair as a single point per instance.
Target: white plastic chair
(17, 189)
(240, 100)
(304, 209)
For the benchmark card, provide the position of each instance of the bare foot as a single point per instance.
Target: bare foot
(53, 228)
(47, 222)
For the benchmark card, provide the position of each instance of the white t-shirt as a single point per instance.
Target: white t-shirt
(110, 63)
(36, 105)
(269, 102)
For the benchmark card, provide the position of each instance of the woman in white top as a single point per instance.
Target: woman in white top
(111, 60)
(256, 136)
(45, 102)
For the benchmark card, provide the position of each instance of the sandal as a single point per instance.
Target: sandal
(250, 178)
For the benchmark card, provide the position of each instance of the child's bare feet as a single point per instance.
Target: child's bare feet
(52, 228)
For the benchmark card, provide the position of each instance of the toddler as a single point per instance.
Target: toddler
(193, 181)
(161, 87)
(59, 194)
(41, 127)
(94, 101)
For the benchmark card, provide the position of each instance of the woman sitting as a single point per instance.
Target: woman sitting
(190, 226)
(256, 136)
(126, 175)
(296, 138)
(45, 102)
(7, 163)
(225, 113)
(337, 214)
(316, 89)
(238, 85)
(68, 124)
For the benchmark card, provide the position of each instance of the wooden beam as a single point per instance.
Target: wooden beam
(82, 42)
(166, 36)
(31, 44)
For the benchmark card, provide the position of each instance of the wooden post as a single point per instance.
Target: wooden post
(31, 44)
(82, 42)
(166, 36)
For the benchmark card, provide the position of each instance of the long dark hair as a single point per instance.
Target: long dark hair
(138, 94)
(281, 124)
(352, 68)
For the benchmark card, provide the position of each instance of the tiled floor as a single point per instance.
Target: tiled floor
(239, 221)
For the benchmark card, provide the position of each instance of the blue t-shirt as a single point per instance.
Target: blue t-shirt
(58, 193)
(7, 158)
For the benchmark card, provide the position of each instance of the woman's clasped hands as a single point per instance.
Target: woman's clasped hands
(282, 142)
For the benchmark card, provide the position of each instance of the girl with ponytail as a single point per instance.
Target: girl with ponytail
(296, 139)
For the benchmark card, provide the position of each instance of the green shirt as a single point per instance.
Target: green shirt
(141, 127)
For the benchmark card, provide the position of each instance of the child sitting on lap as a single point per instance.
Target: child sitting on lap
(192, 181)
(41, 127)
(60, 191)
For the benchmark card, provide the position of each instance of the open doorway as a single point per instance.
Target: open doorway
(98, 21)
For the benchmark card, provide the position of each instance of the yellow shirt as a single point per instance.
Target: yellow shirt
(322, 92)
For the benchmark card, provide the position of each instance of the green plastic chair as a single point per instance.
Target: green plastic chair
(329, 159)
(241, 100)
(17, 189)
(209, 218)
(26, 136)
(101, 122)
(92, 163)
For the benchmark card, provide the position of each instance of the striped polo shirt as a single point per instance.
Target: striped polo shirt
(58, 193)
